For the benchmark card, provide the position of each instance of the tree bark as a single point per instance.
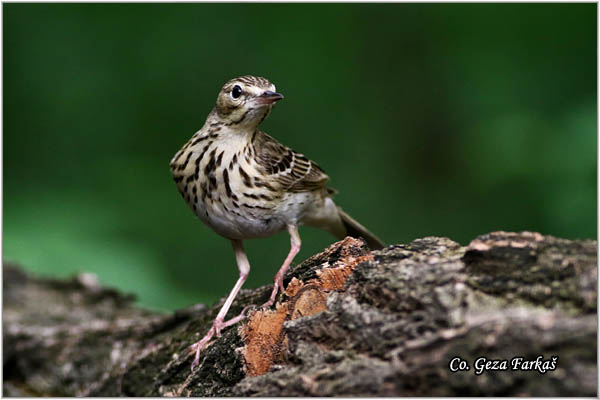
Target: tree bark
(352, 322)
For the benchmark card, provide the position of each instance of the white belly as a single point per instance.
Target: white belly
(256, 223)
(239, 224)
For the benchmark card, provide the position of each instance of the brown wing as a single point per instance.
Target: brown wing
(287, 168)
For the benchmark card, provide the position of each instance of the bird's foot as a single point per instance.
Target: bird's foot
(278, 286)
(215, 330)
(271, 300)
(200, 345)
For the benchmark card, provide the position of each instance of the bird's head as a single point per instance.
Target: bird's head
(246, 101)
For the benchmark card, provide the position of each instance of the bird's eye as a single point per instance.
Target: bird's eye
(236, 92)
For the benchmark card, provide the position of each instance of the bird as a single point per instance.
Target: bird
(244, 184)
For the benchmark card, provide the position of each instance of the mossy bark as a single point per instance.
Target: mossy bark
(351, 323)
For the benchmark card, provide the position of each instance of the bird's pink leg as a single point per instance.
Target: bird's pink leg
(219, 322)
(278, 280)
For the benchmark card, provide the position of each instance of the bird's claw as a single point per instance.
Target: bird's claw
(246, 309)
(200, 345)
(196, 348)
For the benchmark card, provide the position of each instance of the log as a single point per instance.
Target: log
(511, 314)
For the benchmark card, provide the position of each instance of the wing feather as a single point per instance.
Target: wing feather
(288, 169)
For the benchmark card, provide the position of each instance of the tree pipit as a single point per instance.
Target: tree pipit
(244, 184)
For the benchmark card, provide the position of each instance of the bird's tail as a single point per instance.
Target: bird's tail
(354, 229)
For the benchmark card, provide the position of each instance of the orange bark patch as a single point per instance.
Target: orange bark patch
(262, 335)
(292, 288)
(310, 300)
(266, 343)
(335, 278)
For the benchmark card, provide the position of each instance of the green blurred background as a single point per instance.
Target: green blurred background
(431, 119)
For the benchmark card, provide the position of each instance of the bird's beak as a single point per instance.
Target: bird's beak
(269, 97)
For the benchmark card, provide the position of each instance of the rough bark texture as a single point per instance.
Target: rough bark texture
(351, 323)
